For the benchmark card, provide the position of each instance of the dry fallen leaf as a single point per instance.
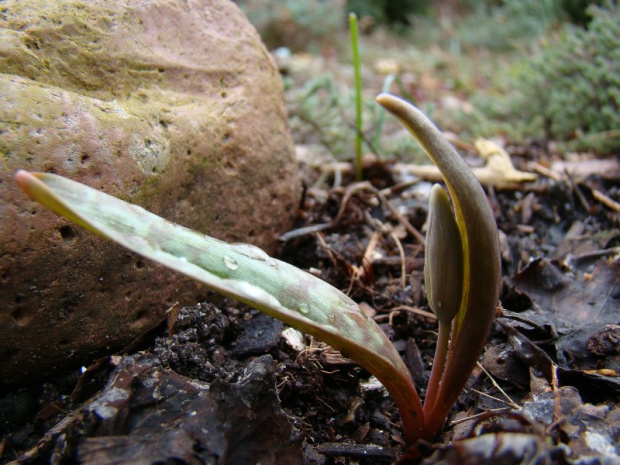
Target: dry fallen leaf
(498, 172)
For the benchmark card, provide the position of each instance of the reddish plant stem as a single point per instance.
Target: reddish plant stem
(439, 363)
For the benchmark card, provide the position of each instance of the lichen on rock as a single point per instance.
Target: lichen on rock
(176, 106)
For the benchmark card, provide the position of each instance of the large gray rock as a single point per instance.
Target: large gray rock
(174, 105)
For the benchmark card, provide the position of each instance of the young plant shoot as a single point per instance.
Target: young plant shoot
(462, 271)
(480, 262)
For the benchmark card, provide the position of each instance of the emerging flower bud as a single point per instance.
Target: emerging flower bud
(443, 262)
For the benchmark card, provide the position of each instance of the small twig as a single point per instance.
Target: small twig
(314, 228)
(558, 416)
(554, 377)
(388, 191)
(417, 311)
(322, 401)
(285, 379)
(484, 394)
(352, 189)
(372, 245)
(582, 199)
(360, 273)
(498, 387)
(524, 420)
(460, 143)
(545, 171)
(608, 202)
(401, 251)
(328, 250)
(596, 254)
(386, 202)
(321, 227)
(497, 411)
(359, 451)
(345, 200)
(408, 226)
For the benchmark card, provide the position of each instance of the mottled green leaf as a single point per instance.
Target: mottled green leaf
(241, 271)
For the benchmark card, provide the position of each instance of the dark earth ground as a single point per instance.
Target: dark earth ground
(220, 383)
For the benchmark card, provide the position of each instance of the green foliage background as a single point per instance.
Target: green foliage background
(568, 92)
(531, 70)
(572, 89)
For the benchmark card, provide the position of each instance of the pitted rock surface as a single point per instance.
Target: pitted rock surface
(173, 105)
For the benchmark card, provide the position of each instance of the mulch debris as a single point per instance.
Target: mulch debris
(217, 383)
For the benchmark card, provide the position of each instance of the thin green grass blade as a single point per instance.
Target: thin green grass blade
(358, 95)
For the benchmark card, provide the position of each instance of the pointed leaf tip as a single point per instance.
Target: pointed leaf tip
(22, 177)
(28, 182)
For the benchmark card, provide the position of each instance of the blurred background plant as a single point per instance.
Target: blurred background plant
(570, 90)
(567, 91)
(300, 25)
(503, 26)
(531, 72)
